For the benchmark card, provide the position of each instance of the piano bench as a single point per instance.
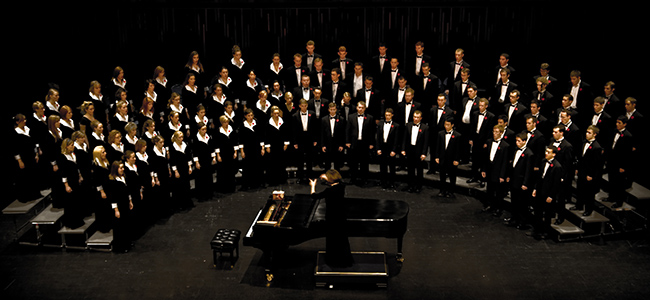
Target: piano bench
(225, 240)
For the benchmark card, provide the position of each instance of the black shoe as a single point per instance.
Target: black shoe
(586, 213)
(575, 208)
(482, 184)
(471, 180)
(558, 222)
(616, 205)
(608, 200)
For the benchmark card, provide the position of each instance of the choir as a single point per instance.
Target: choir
(114, 159)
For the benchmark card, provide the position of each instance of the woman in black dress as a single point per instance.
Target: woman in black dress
(68, 125)
(203, 148)
(181, 163)
(71, 179)
(226, 143)
(251, 145)
(118, 194)
(191, 93)
(159, 163)
(26, 155)
(148, 133)
(337, 245)
(277, 137)
(115, 148)
(162, 88)
(101, 205)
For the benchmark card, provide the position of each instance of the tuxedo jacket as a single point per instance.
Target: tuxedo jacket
(300, 136)
(497, 168)
(452, 78)
(485, 131)
(428, 94)
(388, 79)
(635, 124)
(552, 83)
(463, 106)
(447, 155)
(546, 100)
(434, 112)
(565, 156)
(374, 104)
(606, 124)
(496, 93)
(555, 119)
(374, 66)
(457, 93)
(549, 184)
(521, 172)
(367, 131)
(411, 66)
(591, 161)
(325, 75)
(321, 108)
(620, 154)
(400, 112)
(305, 61)
(393, 99)
(517, 120)
(349, 67)
(393, 140)
(614, 106)
(537, 144)
(331, 139)
(544, 125)
(340, 90)
(297, 94)
(291, 80)
(574, 136)
(585, 99)
(421, 146)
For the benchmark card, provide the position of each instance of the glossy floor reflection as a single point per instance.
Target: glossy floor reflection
(452, 250)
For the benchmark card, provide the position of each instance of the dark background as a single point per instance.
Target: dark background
(73, 45)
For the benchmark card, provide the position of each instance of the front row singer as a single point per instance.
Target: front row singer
(337, 245)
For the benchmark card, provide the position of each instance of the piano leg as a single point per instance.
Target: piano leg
(400, 242)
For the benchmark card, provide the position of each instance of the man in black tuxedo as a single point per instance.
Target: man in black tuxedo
(571, 131)
(619, 162)
(388, 146)
(535, 140)
(516, 111)
(495, 170)
(459, 90)
(310, 56)
(332, 134)
(567, 100)
(543, 124)
(304, 91)
(415, 147)
(544, 73)
(305, 140)
(397, 94)
(464, 115)
(502, 92)
(581, 92)
(334, 89)
(565, 155)
(601, 119)
(520, 177)
(379, 65)
(293, 74)
(406, 108)
(545, 193)
(504, 64)
(318, 104)
(590, 171)
(543, 97)
(415, 66)
(479, 131)
(391, 81)
(436, 121)
(346, 108)
(372, 97)
(447, 157)
(319, 75)
(635, 120)
(360, 140)
(613, 105)
(343, 63)
(356, 79)
(456, 68)
(427, 86)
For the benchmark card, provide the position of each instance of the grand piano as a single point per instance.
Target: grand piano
(294, 220)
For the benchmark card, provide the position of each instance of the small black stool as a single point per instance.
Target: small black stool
(225, 240)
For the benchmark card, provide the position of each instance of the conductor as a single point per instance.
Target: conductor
(337, 246)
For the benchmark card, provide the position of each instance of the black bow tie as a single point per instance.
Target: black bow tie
(303, 114)
(416, 125)
(368, 90)
(382, 57)
(360, 116)
(393, 70)
(387, 122)
(419, 56)
(335, 82)
(310, 55)
(448, 132)
(305, 89)
(401, 90)
(332, 118)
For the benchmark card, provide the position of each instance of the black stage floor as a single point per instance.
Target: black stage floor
(452, 250)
